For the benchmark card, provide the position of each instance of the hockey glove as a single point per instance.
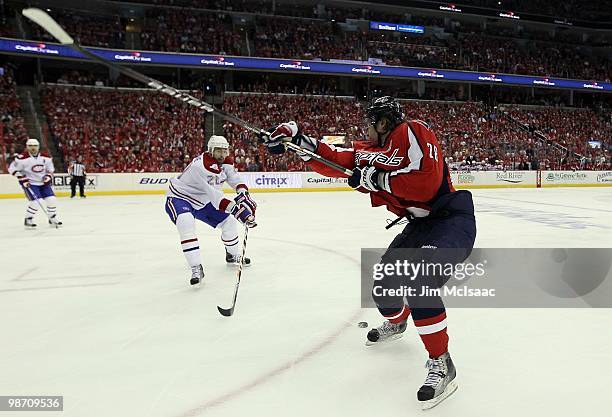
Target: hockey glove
(288, 132)
(275, 142)
(47, 179)
(244, 197)
(23, 181)
(243, 214)
(365, 177)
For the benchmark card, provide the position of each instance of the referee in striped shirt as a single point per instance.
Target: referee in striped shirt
(77, 174)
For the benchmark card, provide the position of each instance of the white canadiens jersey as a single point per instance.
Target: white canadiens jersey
(202, 181)
(34, 168)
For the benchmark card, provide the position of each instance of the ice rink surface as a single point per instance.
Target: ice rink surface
(101, 312)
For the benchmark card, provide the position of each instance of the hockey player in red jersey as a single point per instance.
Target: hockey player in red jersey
(401, 166)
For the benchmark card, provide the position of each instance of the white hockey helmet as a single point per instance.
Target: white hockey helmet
(33, 146)
(216, 141)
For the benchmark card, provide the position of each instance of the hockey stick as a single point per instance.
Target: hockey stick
(227, 312)
(46, 22)
(33, 197)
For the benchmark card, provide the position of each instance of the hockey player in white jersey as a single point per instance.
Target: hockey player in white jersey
(34, 171)
(197, 194)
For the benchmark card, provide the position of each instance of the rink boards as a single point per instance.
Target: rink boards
(157, 183)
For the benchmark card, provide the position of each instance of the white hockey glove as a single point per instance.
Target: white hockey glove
(366, 177)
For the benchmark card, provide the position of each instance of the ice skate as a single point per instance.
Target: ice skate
(235, 260)
(440, 382)
(54, 221)
(386, 332)
(197, 275)
(29, 224)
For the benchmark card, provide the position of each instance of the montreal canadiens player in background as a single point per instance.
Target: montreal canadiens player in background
(401, 167)
(34, 171)
(197, 194)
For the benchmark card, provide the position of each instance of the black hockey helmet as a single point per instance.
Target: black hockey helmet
(387, 107)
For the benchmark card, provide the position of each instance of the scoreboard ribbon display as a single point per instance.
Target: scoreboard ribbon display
(52, 50)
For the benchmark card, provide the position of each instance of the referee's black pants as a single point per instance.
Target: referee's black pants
(77, 179)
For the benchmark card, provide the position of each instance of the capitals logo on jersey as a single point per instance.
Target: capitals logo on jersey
(370, 158)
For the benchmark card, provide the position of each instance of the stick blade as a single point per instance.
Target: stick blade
(227, 312)
(41, 18)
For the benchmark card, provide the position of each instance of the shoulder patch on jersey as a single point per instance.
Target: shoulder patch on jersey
(211, 164)
(228, 161)
(45, 154)
(23, 156)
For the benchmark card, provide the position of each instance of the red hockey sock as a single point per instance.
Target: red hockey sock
(433, 334)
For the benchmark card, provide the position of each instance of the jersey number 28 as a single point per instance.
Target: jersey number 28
(433, 152)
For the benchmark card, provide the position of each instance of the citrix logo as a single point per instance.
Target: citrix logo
(263, 180)
(64, 180)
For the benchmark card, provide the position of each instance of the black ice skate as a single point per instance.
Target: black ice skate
(235, 260)
(197, 275)
(29, 223)
(387, 332)
(440, 382)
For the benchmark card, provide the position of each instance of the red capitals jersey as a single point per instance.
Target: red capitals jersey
(415, 173)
